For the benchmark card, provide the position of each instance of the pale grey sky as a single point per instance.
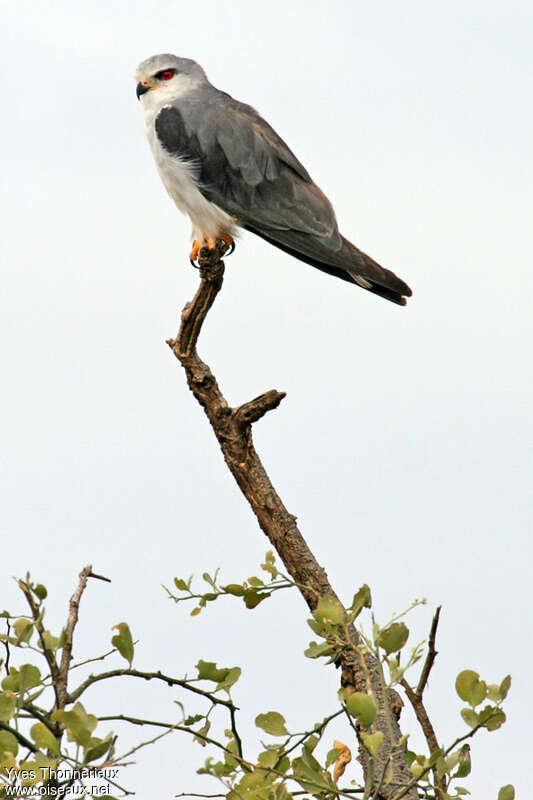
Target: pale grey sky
(404, 445)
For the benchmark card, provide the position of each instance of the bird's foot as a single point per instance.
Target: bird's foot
(230, 241)
(193, 255)
(210, 243)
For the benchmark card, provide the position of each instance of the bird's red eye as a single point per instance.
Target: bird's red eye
(166, 74)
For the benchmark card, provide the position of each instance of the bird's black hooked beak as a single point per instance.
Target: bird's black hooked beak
(141, 89)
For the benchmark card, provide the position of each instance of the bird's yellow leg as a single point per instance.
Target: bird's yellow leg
(193, 255)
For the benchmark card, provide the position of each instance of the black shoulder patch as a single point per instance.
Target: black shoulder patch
(170, 130)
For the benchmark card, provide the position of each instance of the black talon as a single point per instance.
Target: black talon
(231, 249)
(194, 264)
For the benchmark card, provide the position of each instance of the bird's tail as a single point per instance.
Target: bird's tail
(348, 263)
(371, 276)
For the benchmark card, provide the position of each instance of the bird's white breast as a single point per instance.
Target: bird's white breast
(180, 178)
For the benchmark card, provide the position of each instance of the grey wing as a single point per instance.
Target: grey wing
(248, 171)
(244, 166)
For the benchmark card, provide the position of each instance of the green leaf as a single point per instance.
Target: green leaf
(123, 641)
(311, 743)
(329, 610)
(363, 706)
(34, 767)
(195, 611)
(202, 732)
(40, 591)
(435, 756)
(506, 792)
(208, 671)
(252, 597)
(8, 744)
(492, 717)
(316, 650)
(30, 676)
(208, 579)
(470, 717)
(393, 638)
(268, 758)
(12, 681)
(77, 729)
(257, 582)
(470, 688)
(44, 738)
(180, 584)
(273, 723)
(373, 741)
(479, 693)
(232, 677)
(98, 748)
(465, 764)
(310, 775)
(267, 567)
(493, 692)
(8, 703)
(251, 780)
(505, 685)
(331, 756)
(396, 672)
(23, 629)
(190, 720)
(21, 680)
(51, 642)
(235, 589)
(319, 628)
(361, 599)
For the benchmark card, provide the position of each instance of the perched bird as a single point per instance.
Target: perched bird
(225, 167)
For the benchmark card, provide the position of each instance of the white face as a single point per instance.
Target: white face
(164, 85)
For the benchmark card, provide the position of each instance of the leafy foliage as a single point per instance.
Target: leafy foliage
(40, 734)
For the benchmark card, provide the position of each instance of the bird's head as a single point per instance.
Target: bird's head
(162, 77)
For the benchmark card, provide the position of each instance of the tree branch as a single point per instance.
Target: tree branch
(61, 680)
(415, 696)
(432, 654)
(48, 654)
(232, 428)
(19, 737)
(148, 676)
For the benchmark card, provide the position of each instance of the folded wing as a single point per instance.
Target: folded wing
(246, 169)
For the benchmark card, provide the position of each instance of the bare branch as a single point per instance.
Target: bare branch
(148, 676)
(432, 654)
(6, 645)
(96, 658)
(415, 697)
(233, 430)
(253, 410)
(99, 577)
(422, 716)
(61, 680)
(170, 726)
